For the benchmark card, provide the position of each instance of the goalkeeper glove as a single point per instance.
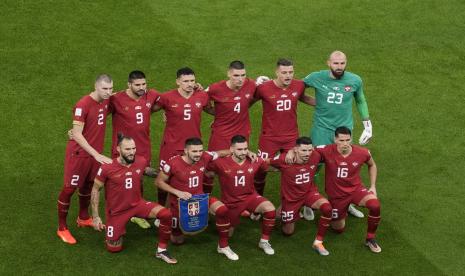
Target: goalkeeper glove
(367, 133)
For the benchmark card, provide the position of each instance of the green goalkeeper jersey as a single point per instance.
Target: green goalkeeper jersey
(334, 99)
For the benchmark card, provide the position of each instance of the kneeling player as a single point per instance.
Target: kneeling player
(298, 189)
(182, 177)
(122, 180)
(236, 174)
(343, 183)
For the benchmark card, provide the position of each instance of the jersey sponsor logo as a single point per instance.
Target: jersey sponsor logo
(100, 110)
(78, 112)
(193, 172)
(237, 98)
(335, 88)
(303, 170)
(324, 86)
(187, 105)
(347, 88)
(174, 105)
(343, 164)
(355, 164)
(126, 108)
(240, 171)
(128, 173)
(227, 171)
(272, 96)
(138, 107)
(283, 96)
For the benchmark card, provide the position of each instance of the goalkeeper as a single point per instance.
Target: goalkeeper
(334, 90)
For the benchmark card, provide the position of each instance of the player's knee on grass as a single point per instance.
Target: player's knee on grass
(288, 229)
(338, 226)
(115, 246)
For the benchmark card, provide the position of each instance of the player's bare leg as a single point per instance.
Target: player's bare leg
(222, 225)
(164, 233)
(323, 224)
(371, 202)
(268, 211)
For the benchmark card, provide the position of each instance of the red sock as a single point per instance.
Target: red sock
(84, 200)
(63, 206)
(268, 224)
(162, 195)
(164, 230)
(325, 220)
(259, 182)
(207, 184)
(222, 225)
(374, 216)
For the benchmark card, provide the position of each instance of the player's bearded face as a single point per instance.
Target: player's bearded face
(104, 89)
(186, 83)
(285, 74)
(138, 87)
(304, 151)
(343, 142)
(237, 77)
(240, 151)
(127, 150)
(337, 66)
(194, 152)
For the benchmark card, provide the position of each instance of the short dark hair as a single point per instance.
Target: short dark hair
(122, 137)
(238, 139)
(236, 64)
(303, 141)
(136, 75)
(342, 130)
(193, 141)
(184, 71)
(284, 62)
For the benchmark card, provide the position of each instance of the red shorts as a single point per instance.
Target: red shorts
(166, 153)
(340, 205)
(116, 224)
(269, 146)
(176, 231)
(80, 172)
(250, 204)
(290, 208)
(218, 142)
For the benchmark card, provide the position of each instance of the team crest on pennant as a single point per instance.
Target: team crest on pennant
(347, 88)
(193, 208)
(193, 214)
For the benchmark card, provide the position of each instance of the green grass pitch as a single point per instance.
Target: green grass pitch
(410, 54)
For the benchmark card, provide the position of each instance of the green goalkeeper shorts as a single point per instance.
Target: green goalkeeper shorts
(322, 136)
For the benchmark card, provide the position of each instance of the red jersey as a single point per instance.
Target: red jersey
(94, 116)
(132, 118)
(342, 174)
(122, 184)
(232, 108)
(183, 117)
(187, 177)
(296, 179)
(280, 108)
(236, 180)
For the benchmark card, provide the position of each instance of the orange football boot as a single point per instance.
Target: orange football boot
(84, 222)
(66, 236)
